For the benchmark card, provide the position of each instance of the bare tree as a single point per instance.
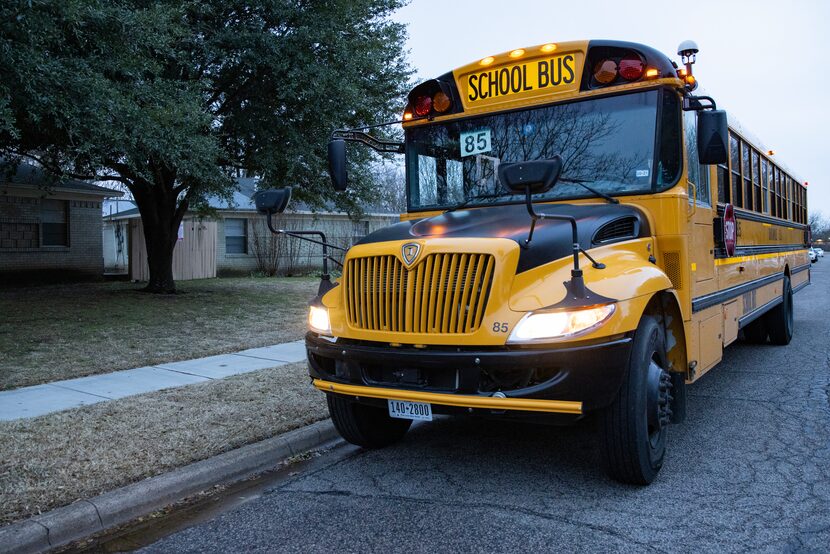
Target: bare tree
(819, 227)
(266, 247)
(390, 178)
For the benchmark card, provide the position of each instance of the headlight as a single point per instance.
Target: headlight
(542, 326)
(318, 319)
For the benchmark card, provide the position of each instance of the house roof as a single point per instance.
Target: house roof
(28, 175)
(242, 201)
(246, 187)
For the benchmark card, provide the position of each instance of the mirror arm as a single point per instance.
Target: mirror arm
(577, 285)
(595, 264)
(323, 242)
(301, 235)
(335, 260)
(692, 103)
(378, 145)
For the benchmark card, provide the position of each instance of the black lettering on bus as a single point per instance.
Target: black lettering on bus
(516, 79)
(569, 60)
(473, 84)
(525, 85)
(493, 86)
(482, 88)
(504, 81)
(556, 72)
(543, 74)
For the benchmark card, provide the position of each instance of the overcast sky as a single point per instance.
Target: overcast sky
(767, 63)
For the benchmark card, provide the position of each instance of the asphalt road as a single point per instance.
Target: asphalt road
(749, 470)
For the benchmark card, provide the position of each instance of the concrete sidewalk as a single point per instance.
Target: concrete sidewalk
(63, 395)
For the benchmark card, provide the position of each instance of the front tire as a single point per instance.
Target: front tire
(779, 320)
(633, 427)
(365, 426)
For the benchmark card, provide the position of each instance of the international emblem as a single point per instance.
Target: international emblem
(410, 252)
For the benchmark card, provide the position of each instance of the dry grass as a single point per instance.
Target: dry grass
(64, 331)
(56, 459)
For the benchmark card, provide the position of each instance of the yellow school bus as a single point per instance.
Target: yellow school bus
(583, 237)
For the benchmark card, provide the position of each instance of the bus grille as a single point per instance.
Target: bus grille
(445, 293)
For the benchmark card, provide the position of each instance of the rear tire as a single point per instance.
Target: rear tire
(365, 426)
(632, 438)
(756, 332)
(779, 320)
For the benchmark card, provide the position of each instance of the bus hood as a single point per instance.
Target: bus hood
(597, 224)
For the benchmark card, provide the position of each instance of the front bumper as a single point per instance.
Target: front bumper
(574, 379)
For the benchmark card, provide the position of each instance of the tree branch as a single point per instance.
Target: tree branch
(56, 169)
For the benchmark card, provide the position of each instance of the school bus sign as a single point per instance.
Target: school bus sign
(519, 81)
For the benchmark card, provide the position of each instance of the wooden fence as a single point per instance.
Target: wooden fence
(193, 258)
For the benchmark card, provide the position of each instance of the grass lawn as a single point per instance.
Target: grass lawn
(53, 460)
(64, 331)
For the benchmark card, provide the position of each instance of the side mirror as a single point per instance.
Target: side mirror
(272, 201)
(337, 164)
(712, 137)
(539, 175)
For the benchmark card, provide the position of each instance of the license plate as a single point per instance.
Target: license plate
(410, 410)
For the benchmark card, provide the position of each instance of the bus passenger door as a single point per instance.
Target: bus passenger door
(707, 325)
(701, 241)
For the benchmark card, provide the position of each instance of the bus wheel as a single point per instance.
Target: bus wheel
(365, 426)
(633, 427)
(756, 332)
(779, 320)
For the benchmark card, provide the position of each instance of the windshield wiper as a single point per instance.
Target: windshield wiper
(581, 182)
(472, 198)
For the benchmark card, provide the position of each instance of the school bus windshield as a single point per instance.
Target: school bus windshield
(608, 143)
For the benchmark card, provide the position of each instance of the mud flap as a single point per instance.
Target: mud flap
(678, 405)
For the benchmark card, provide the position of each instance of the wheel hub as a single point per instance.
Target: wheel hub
(659, 398)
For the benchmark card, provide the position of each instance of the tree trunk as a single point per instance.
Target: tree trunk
(160, 245)
(160, 217)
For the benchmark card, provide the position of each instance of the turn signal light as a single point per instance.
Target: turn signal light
(652, 73)
(631, 68)
(407, 115)
(605, 72)
(441, 102)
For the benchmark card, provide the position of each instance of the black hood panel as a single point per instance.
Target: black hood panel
(551, 239)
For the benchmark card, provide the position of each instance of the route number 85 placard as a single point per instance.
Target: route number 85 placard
(475, 142)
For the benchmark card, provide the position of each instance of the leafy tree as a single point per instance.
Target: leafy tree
(170, 98)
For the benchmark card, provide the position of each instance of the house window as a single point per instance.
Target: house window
(236, 236)
(54, 222)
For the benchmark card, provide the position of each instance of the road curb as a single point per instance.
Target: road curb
(86, 517)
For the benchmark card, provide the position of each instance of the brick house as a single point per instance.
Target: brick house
(49, 231)
(236, 241)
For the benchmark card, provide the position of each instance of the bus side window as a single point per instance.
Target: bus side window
(698, 174)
